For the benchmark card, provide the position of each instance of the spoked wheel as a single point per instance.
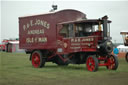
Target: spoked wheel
(126, 57)
(92, 63)
(112, 62)
(37, 59)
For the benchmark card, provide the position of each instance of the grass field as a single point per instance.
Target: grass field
(16, 69)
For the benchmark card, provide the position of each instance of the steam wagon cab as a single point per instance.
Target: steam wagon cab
(65, 37)
(125, 39)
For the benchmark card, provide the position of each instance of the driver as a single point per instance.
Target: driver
(87, 30)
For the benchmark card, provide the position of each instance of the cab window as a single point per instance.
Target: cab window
(83, 30)
(67, 30)
(79, 29)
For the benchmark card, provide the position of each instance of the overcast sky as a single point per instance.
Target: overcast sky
(117, 12)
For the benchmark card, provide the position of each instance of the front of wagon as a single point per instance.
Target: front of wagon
(104, 47)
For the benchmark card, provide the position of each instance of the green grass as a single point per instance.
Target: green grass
(16, 69)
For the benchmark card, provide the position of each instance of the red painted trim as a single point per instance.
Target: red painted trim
(104, 64)
(102, 58)
(49, 57)
(89, 49)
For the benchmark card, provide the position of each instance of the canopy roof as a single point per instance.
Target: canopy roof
(94, 21)
(123, 32)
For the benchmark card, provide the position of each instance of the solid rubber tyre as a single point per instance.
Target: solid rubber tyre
(37, 59)
(126, 57)
(92, 63)
(113, 62)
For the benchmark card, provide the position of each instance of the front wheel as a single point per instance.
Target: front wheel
(112, 62)
(126, 57)
(37, 59)
(92, 63)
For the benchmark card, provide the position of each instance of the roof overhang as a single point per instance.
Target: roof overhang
(123, 32)
(94, 21)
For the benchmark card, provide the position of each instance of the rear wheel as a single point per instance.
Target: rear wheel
(92, 63)
(112, 62)
(37, 59)
(126, 57)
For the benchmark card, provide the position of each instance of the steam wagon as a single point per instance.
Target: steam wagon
(67, 36)
(125, 39)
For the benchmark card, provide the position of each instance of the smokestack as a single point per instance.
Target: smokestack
(105, 21)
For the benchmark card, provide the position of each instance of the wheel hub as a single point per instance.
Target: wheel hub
(90, 64)
(36, 59)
